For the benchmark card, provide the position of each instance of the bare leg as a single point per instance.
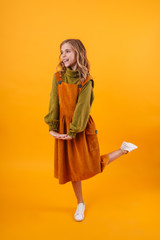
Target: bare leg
(115, 154)
(77, 184)
(78, 190)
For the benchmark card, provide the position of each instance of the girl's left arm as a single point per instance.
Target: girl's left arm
(82, 110)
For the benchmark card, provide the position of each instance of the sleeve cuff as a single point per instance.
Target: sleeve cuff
(72, 134)
(54, 126)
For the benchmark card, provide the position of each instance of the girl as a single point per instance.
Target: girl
(76, 150)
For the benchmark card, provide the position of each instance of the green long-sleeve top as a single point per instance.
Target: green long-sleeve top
(83, 105)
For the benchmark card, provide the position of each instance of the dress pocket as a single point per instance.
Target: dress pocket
(91, 135)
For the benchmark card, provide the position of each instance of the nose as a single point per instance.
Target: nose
(63, 55)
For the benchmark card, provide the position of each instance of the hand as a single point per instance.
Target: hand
(65, 137)
(60, 136)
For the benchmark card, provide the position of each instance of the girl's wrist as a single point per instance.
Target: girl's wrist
(52, 132)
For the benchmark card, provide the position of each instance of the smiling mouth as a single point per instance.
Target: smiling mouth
(65, 60)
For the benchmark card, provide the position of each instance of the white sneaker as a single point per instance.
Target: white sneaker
(79, 214)
(128, 146)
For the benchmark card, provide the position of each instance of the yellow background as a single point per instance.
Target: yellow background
(122, 41)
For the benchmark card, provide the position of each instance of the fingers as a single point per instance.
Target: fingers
(63, 136)
(59, 135)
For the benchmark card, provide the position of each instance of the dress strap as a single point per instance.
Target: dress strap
(59, 77)
(80, 85)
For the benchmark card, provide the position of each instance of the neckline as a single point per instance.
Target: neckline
(72, 73)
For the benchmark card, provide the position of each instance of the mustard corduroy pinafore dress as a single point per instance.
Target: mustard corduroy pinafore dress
(78, 158)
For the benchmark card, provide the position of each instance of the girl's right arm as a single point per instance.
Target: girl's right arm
(52, 118)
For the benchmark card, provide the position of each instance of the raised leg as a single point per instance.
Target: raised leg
(115, 154)
(77, 186)
(108, 158)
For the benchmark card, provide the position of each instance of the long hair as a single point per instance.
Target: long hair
(83, 66)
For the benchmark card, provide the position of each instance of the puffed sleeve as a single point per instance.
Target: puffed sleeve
(52, 118)
(82, 110)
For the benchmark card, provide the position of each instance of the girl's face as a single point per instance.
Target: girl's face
(68, 56)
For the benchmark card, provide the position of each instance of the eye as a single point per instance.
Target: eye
(66, 51)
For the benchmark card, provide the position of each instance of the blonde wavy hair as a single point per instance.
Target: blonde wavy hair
(83, 66)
